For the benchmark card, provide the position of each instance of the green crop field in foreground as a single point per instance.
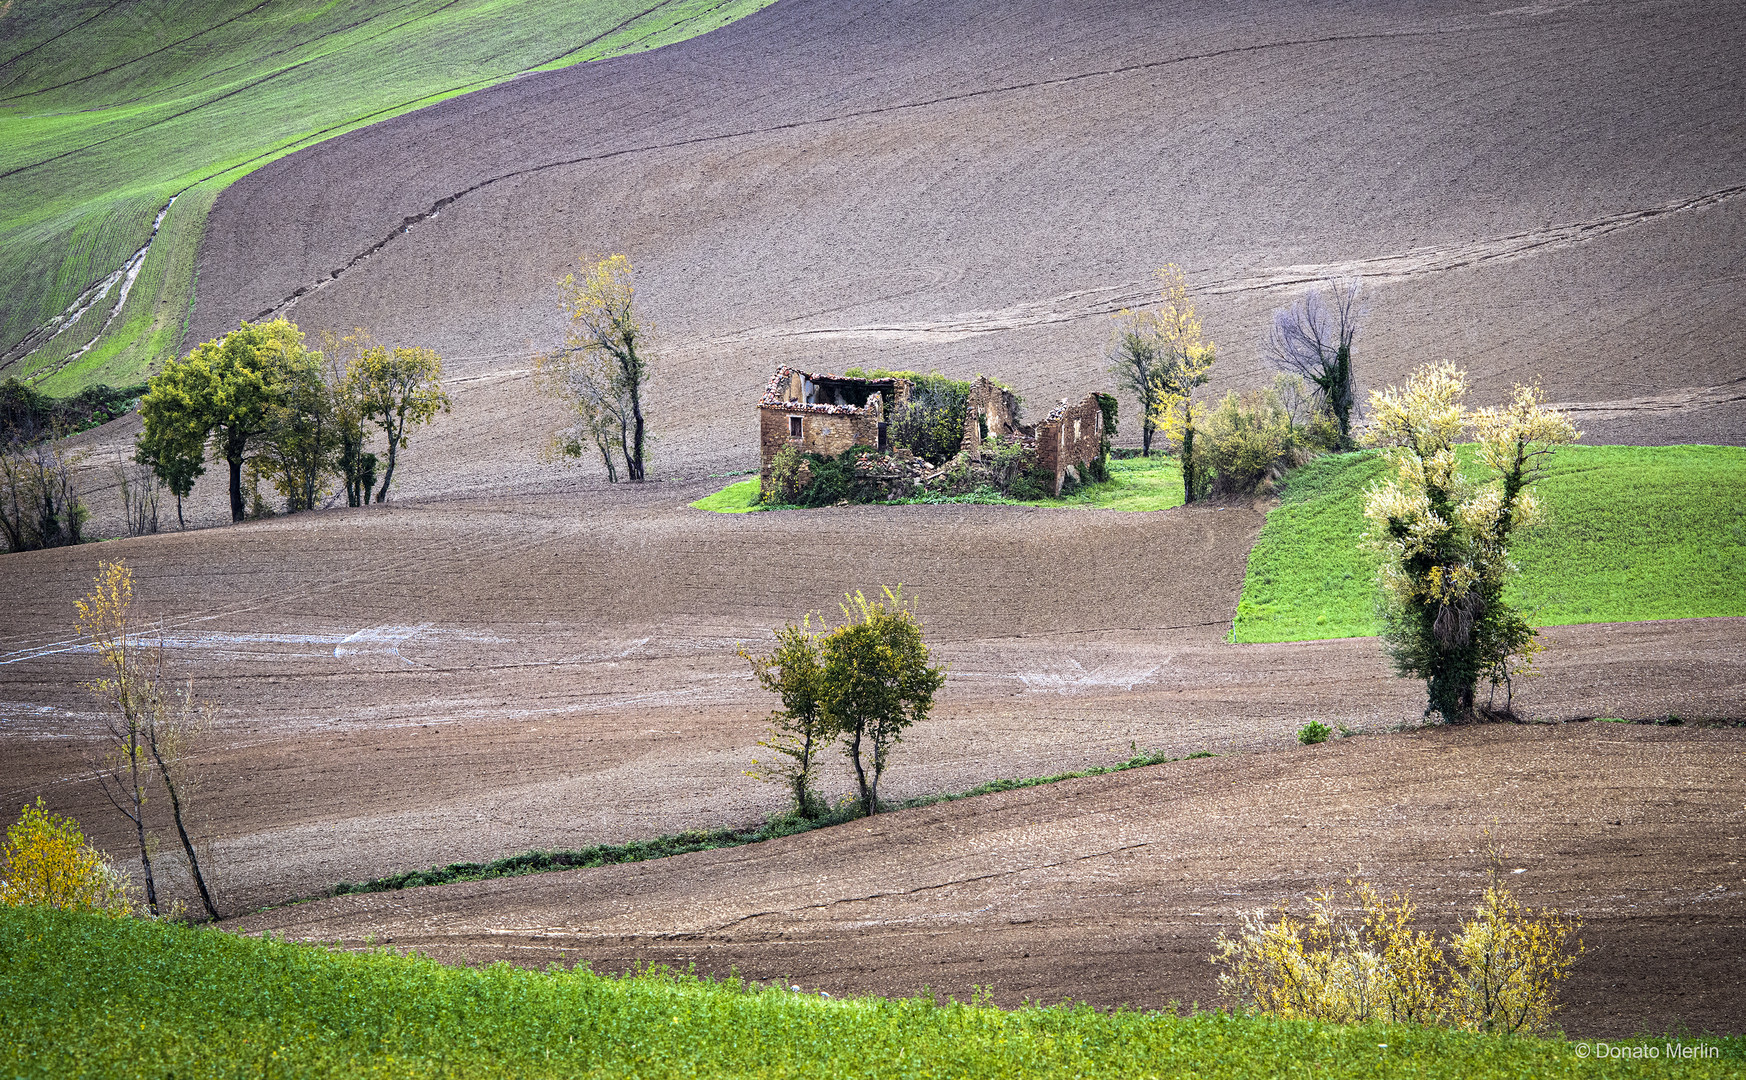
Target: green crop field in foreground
(1135, 484)
(92, 996)
(107, 110)
(1631, 533)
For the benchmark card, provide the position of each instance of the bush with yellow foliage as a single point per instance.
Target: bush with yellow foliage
(45, 861)
(1357, 959)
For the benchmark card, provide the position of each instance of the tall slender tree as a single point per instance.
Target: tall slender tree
(1185, 361)
(149, 726)
(601, 369)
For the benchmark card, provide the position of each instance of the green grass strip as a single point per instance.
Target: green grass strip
(1135, 485)
(92, 996)
(1632, 533)
(786, 824)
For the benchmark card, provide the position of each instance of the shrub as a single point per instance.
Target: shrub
(46, 862)
(835, 479)
(932, 424)
(1314, 732)
(1508, 963)
(39, 503)
(1247, 442)
(787, 479)
(1362, 961)
(1330, 967)
(1035, 482)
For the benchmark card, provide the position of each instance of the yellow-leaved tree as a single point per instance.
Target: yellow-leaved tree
(45, 861)
(1161, 355)
(149, 726)
(1443, 535)
(1185, 361)
(395, 389)
(600, 369)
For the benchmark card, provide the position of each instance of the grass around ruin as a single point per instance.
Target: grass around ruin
(1632, 533)
(108, 110)
(89, 995)
(1135, 484)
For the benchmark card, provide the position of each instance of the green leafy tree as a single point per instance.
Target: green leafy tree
(876, 682)
(301, 445)
(396, 389)
(354, 462)
(794, 671)
(175, 454)
(224, 391)
(1443, 536)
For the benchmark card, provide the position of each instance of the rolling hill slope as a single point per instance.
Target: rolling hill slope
(109, 111)
(1551, 192)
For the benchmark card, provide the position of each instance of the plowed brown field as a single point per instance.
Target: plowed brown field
(1111, 889)
(512, 655)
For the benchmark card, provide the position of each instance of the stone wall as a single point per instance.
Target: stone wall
(825, 433)
(1071, 436)
(993, 406)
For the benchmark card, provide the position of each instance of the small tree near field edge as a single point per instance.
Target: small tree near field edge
(876, 682)
(793, 671)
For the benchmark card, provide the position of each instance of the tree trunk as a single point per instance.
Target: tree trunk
(236, 499)
(868, 807)
(180, 524)
(1341, 398)
(393, 448)
(182, 831)
(637, 432)
(1188, 466)
(145, 855)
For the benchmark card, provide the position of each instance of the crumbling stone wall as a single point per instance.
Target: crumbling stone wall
(993, 408)
(785, 418)
(1071, 436)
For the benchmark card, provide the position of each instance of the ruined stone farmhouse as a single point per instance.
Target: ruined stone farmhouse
(826, 414)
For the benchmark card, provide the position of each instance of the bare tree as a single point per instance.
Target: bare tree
(1135, 353)
(140, 489)
(1313, 338)
(173, 720)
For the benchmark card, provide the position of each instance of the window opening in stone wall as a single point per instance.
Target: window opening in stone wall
(794, 427)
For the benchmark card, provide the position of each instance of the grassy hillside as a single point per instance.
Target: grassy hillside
(95, 996)
(1631, 533)
(108, 111)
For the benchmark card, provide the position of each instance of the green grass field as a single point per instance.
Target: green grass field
(108, 110)
(1135, 484)
(1631, 534)
(92, 996)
